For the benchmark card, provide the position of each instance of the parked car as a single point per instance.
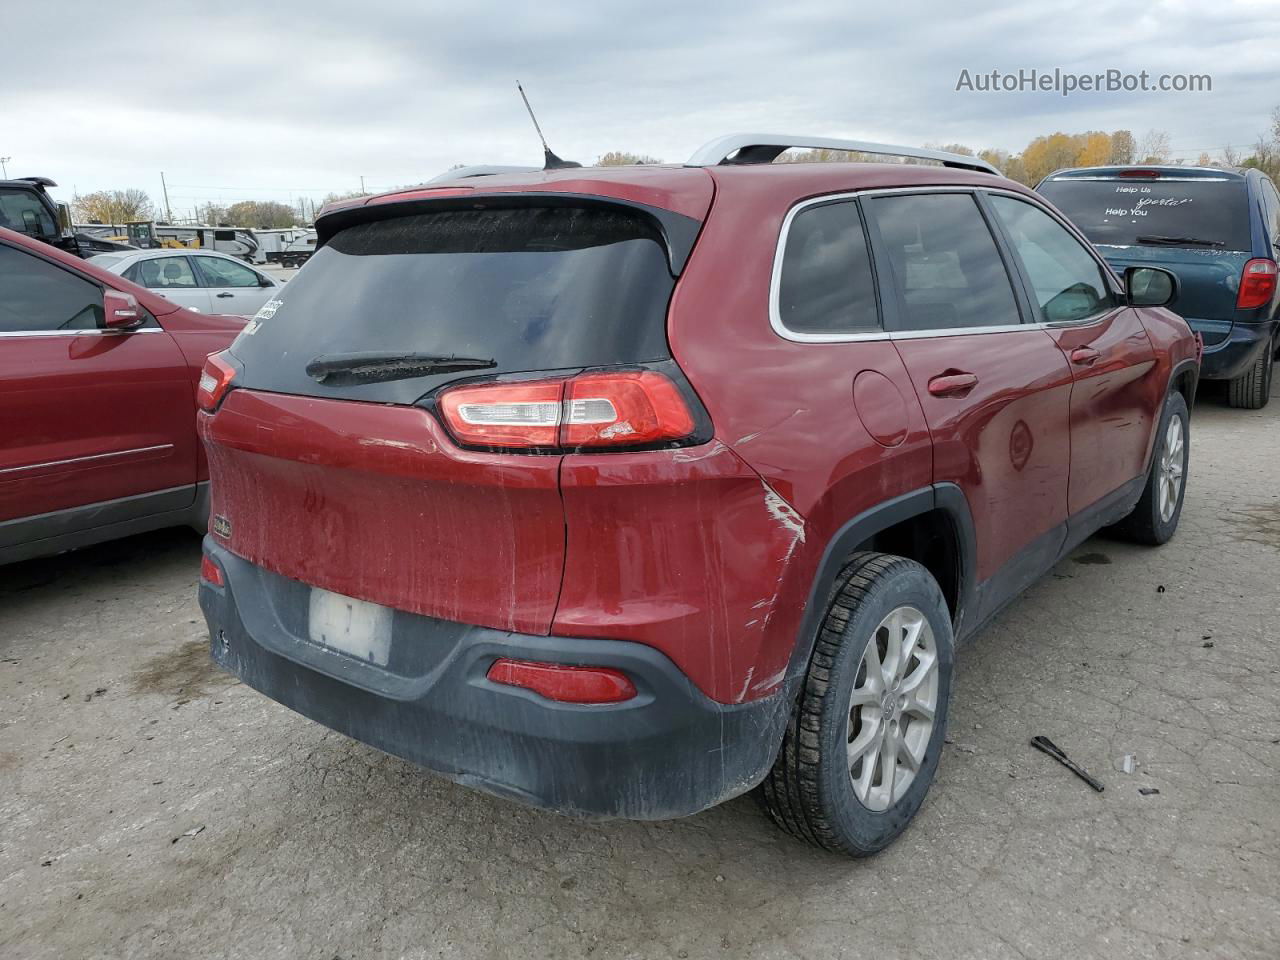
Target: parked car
(1218, 230)
(622, 491)
(97, 403)
(203, 280)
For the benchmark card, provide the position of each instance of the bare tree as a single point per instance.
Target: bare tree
(1154, 147)
(113, 206)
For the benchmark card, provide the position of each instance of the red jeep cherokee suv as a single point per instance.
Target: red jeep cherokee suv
(623, 491)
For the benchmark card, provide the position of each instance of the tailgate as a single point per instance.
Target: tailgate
(373, 501)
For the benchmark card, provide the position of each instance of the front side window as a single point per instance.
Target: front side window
(944, 262)
(36, 296)
(164, 273)
(226, 273)
(826, 286)
(21, 210)
(1069, 284)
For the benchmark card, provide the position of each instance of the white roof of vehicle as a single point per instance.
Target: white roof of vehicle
(116, 262)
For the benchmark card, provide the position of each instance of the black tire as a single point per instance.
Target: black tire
(1252, 390)
(810, 791)
(1146, 524)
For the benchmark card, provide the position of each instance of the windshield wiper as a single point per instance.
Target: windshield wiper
(1180, 241)
(351, 369)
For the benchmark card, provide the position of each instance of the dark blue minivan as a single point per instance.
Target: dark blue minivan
(1217, 229)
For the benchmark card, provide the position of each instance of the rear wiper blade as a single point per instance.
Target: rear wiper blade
(351, 369)
(1180, 241)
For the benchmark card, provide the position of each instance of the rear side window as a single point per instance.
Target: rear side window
(1162, 212)
(1068, 282)
(826, 286)
(163, 273)
(944, 262)
(532, 288)
(37, 296)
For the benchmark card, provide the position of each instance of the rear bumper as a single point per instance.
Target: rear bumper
(668, 752)
(1234, 356)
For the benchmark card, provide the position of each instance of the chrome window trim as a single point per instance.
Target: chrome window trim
(95, 456)
(78, 333)
(775, 279)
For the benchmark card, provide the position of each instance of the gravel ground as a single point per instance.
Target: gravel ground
(152, 807)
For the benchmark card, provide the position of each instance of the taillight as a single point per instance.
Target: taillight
(566, 684)
(210, 571)
(1257, 284)
(625, 408)
(1143, 174)
(214, 381)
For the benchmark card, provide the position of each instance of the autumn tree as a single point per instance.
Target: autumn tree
(1047, 154)
(620, 158)
(261, 214)
(113, 206)
(1122, 147)
(1095, 151)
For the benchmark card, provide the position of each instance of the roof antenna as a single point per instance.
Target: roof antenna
(551, 161)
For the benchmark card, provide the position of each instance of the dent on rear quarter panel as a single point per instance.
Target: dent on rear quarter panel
(682, 550)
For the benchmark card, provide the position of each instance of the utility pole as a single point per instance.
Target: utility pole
(4, 169)
(168, 214)
(362, 184)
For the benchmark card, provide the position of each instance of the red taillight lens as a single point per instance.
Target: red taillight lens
(565, 684)
(1143, 174)
(210, 571)
(214, 381)
(623, 409)
(1257, 284)
(629, 408)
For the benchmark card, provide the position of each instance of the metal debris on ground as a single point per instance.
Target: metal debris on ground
(1148, 791)
(1045, 745)
(190, 833)
(1127, 763)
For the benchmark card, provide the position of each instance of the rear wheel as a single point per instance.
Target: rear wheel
(1252, 390)
(1155, 518)
(865, 735)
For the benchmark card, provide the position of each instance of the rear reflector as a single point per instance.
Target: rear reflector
(210, 571)
(1257, 284)
(564, 684)
(628, 408)
(214, 381)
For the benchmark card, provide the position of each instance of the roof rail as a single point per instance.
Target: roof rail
(765, 147)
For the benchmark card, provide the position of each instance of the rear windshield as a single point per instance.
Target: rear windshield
(1117, 212)
(530, 288)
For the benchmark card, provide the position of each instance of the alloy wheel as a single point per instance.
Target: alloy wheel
(1169, 482)
(892, 708)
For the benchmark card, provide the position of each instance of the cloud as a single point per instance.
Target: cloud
(276, 101)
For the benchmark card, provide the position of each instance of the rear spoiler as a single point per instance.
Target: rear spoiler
(678, 231)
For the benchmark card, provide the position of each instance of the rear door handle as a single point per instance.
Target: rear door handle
(953, 383)
(224, 294)
(1084, 356)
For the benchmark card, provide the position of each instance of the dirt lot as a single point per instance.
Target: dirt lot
(151, 807)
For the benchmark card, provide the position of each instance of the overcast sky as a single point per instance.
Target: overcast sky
(273, 101)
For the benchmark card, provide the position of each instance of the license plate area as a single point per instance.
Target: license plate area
(357, 628)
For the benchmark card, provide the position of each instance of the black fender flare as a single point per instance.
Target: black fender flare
(946, 497)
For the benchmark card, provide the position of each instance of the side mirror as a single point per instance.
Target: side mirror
(121, 310)
(1150, 287)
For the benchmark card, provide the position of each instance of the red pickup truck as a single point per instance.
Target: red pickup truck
(97, 403)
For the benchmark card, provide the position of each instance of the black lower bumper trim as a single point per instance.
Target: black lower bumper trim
(668, 752)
